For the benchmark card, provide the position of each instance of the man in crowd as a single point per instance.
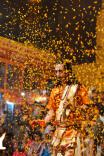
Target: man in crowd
(69, 111)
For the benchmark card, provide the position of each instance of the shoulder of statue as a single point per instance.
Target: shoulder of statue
(82, 87)
(55, 90)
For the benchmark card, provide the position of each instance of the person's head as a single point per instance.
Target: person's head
(63, 71)
(37, 136)
(59, 70)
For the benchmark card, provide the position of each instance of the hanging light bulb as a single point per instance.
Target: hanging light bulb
(23, 94)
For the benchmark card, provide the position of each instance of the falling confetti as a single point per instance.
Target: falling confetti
(48, 31)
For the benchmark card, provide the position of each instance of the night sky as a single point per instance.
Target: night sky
(57, 25)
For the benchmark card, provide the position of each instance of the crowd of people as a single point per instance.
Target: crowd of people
(71, 123)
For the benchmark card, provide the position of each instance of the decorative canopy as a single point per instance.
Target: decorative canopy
(39, 62)
(21, 53)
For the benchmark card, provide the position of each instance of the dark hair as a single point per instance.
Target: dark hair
(68, 67)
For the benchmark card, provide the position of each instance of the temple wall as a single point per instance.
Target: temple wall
(92, 74)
